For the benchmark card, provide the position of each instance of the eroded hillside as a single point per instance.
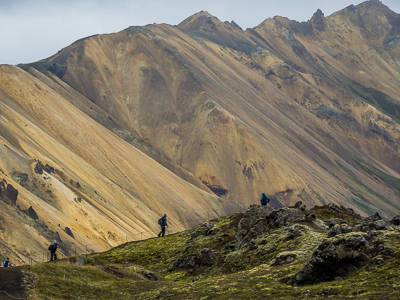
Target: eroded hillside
(196, 120)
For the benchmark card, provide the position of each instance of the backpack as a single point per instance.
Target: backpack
(50, 247)
(160, 221)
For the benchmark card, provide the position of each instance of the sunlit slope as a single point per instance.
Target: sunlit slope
(101, 187)
(244, 111)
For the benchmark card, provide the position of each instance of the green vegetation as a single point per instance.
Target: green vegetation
(358, 180)
(122, 273)
(379, 100)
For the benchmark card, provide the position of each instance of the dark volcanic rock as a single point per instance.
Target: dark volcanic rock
(259, 219)
(284, 258)
(252, 225)
(184, 263)
(336, 257)
(318, 21)
(32, 213)
(55, 68)
(39, 168)
(339, 229)
(395, 220)
(373, 222)
(205, 229)
(68, 231)
(150, 275)
(12, 194)
(207, 257)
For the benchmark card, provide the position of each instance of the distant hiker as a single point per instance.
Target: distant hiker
(6, 263)
(264, 199)
(53, 248)
(162, 222)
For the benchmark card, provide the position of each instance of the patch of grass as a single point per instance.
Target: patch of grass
(357, 180)
(377, 99)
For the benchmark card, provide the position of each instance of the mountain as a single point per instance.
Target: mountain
(199, 119)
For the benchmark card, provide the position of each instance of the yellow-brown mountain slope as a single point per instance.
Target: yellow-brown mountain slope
(76, 174)
(302, 111)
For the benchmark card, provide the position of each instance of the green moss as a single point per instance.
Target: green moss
(243, 274)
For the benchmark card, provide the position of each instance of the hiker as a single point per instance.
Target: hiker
(6, 263)
(53, 248)
(163, 223)
(264, 199)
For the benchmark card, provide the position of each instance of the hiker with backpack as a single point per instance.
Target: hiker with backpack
(163, 223)
(53, 248)
(6, 263)
(264, 200)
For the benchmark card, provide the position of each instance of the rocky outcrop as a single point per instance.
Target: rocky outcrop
(205, 229)
(55, 68)
(373, 222)
(336, 257)
(252, 225)
(284, 258)
(8, 193)
(68, 231)
(205, 258)
(257, 220)
(32, 213)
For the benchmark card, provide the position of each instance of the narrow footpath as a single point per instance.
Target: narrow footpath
(11, 280)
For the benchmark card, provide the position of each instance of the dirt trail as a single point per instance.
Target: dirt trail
(11, 280)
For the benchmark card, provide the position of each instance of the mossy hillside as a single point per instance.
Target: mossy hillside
(61, 280)
(249, 273)
(298, 239)
(159, 253)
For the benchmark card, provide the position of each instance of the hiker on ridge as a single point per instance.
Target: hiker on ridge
(6, 263)
(162, 222)
(264, 199)
(53, 248)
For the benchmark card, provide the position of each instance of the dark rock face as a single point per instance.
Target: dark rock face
(336, 257)
(284, 258)
(258, 220)
(48, 169)
(151, 275)
(205, 229)
(205, 258)
(12, 194)
(339, 229)
(68, 231)
(395, 220)
(318, 21)
(336, 221)
(373, 222)
(252, 225)
(55, 68)
(184, 263)
(32, 213)
(38, 168)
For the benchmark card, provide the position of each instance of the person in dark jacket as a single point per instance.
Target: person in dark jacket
(163, 224)
(264, 199)
(6, 263)
(53, 248)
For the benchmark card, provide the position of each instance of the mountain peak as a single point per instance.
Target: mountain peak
(199, 21)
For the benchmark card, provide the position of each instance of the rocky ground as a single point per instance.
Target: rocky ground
(265, 253)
